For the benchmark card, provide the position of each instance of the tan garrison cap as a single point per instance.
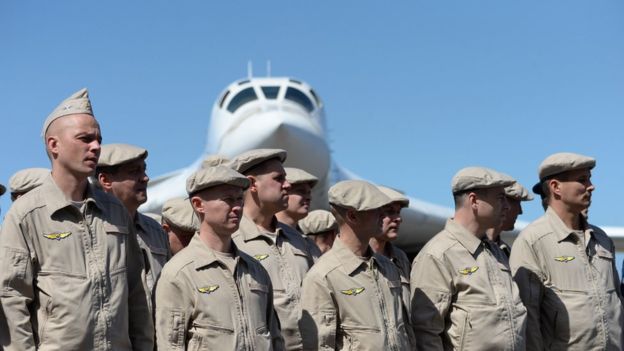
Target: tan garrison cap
(78, 102)
(212, 176)
(245, 161)
(394, 195)
(214, 160)
(2, 189)
(297, 176)
(118, 154)
(564, 162)
(518, 192)
(27, 179)
(478, 178)
(358, 195)
(318, 221)
(179, 212)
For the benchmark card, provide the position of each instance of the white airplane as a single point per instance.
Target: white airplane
(287, 113)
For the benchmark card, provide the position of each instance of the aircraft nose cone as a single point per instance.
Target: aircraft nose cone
(306, 146)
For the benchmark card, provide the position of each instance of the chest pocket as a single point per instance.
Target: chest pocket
(116, 242)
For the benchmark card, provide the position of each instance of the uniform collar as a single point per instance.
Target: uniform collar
(56, 200)
(560, 229)
(465, 238)
(141, 221)
(205, 256)
(250, 231)
(348, 260)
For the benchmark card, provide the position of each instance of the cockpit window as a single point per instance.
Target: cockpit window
(297, 96)
(270, 92)
(244, 96)
(223, 98)
(318, 101)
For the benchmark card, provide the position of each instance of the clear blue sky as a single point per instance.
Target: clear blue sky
(413, 90)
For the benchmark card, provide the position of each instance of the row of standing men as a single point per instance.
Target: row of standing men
(82, 269)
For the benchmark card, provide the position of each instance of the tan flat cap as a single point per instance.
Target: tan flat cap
(297, 176)
(78, 102)
(212, 176)
(470, 178)
(179, 212)
(245, 161)
(564, 162)
(27, 179)
(394, 195)
(318, 221)
(517, 192)
(358, 195)
(118, 154)
(214, 160)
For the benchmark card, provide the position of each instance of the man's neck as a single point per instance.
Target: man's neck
(357, 245)
(286, 219)
(570, 218)
(470, 224)
(261, 219)
(72, 186)
(379, 246)
(493, 234)
(220, 243)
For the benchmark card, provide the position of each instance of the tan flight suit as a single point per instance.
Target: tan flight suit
(463, 297)
(154, 243)
(71, 278)
(351, 303)
(202, 305)
(400, 260)
(287, 262)
(570, 285)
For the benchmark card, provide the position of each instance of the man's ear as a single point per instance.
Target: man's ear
(106, 181)
(472, 200)
(351, 216)
(52, 146)
(252, 183)
(197, 204)
(555, 187)
(166, 227)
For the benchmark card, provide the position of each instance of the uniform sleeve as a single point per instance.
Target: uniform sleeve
(431, 291)
(272, 321)
(173, 314)
(528, 277)
(141, 327)
(318, 323)
(17, 292)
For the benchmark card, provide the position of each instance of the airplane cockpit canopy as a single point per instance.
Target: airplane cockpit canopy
(248, 94)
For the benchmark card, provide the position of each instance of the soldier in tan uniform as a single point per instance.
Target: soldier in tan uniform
(382, 244)
(179, 222)
(565, 267)
(282, 251)
(70, 270)
(352, 297)
(299, 198)
(321, 227)
(26, 180)
(463, 295)
(211, 295)
(121, 172)
(515, 193)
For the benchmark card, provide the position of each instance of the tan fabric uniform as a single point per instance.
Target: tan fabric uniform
(71, 279)
(571, 290)
(203, 306)
(287, 263)
(463, 297)
(353, 304)
(400, 260)
(154, 243)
